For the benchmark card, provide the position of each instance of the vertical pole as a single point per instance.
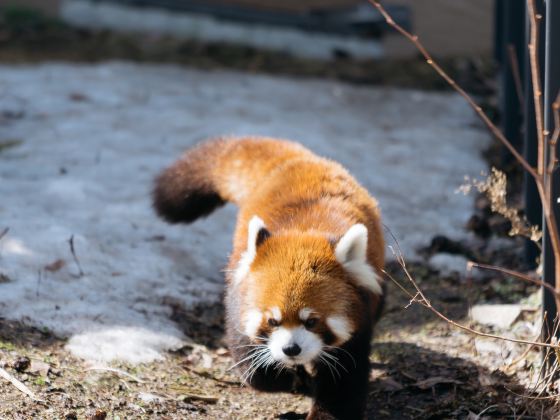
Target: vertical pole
(551, 89)
(513, 44)
(498, 30)
(532, 203)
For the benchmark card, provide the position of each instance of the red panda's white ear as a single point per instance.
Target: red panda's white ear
(256, 235)
(352, 246)
(351, 252)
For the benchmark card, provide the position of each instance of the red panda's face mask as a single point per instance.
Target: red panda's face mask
(298, 340)
(302, 293)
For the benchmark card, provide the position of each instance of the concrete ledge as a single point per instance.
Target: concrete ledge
(185, 25)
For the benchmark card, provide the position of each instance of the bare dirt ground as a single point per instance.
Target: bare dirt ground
(421, 368)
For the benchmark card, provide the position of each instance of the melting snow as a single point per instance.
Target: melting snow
(93, 137)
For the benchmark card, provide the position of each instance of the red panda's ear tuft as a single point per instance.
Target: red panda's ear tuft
(351, 252)
(258, 233)
(352, 246)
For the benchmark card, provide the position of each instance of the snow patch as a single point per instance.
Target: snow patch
(127, 344)
(85, 168)
(449, 263)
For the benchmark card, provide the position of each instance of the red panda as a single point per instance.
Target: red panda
(303, 284)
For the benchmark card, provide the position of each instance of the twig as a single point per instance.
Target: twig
(412, 300)
(424, 301)
(543, 187)
(207, 375)
(514, 65)
(523, 355)
(39, 277)
(73, 251)
(4, 232)
(19, 385)
(479, 415)
(535, 79)
(199, 397)
(430, 61)
(554, 137)
(547, 351)
(116, 371)
(516, 274)
(543, 183)
(410, 295)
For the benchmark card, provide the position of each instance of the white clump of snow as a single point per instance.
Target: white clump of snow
(133, 344)
(147, 397)
(449, 263)
(496, 315)
(93, 138)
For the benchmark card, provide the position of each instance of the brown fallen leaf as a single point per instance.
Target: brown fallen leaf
(209, 375)
(55, 265)
(98, 415)
(435, 380)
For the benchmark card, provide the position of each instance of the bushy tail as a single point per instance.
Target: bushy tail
(187, 190)
(217, 171)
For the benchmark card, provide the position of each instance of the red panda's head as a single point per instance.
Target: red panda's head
(302, 291)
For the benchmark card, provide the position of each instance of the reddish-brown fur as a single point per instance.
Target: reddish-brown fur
(307, 204)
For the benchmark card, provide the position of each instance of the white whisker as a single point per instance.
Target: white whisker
(326, 362)
(249, 345)
(252, 355)
(334, 359)
(260, 361)
(335, 348)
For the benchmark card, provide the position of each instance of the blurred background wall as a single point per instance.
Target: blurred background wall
(447, 28)
(51, 7)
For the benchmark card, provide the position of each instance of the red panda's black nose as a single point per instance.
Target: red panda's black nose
(291, 349)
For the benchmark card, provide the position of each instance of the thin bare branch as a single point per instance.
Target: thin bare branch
(514, 65)
(543, 186)
(74, 256)
(400, 286)
(515, 274)
(117, 372)
(19, 385)
(495, 130)
(553, 141)
(523, 356)
(534, 19)
(424, 301)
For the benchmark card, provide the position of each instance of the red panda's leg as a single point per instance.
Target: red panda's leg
(273, 380)
(344, 396)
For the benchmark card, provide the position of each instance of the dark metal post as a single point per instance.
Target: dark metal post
(513, 45)
(498, 30)
(551, 89)
(533, 206)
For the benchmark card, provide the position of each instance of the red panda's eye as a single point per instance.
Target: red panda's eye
(310, 322)
(272, 322)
